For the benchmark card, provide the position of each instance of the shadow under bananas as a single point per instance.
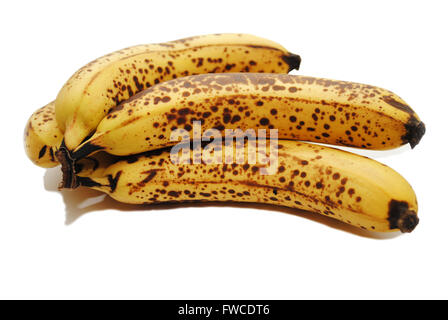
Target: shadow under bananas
(84, 200)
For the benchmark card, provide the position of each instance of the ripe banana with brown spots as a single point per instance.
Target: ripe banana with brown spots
(43, 137)
(342, 185)
(300, 107)
(103, 83)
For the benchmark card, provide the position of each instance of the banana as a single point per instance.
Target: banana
(43, 137)
(342, 185)
(300, 107)
(103, 83)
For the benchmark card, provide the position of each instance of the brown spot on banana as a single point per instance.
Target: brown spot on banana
(113, 181)
(42, 151)
(397, 104)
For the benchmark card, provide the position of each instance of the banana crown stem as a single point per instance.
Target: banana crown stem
(69, 179)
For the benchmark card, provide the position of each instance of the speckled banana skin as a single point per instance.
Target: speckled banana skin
(348, 187)
(103, 83)
(300, 107)
(43, 137)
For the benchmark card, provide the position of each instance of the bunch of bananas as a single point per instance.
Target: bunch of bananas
(111, 128)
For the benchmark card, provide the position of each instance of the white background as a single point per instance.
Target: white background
(79, 245)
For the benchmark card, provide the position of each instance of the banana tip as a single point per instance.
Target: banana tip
(408, 221)
(415, 130)
(401, 217)
(292, 60)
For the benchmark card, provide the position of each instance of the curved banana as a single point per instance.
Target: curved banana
(103, 83)
(339, 184)
(43, 137)
(303, 108)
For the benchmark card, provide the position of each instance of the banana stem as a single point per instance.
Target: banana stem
(69, 179)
